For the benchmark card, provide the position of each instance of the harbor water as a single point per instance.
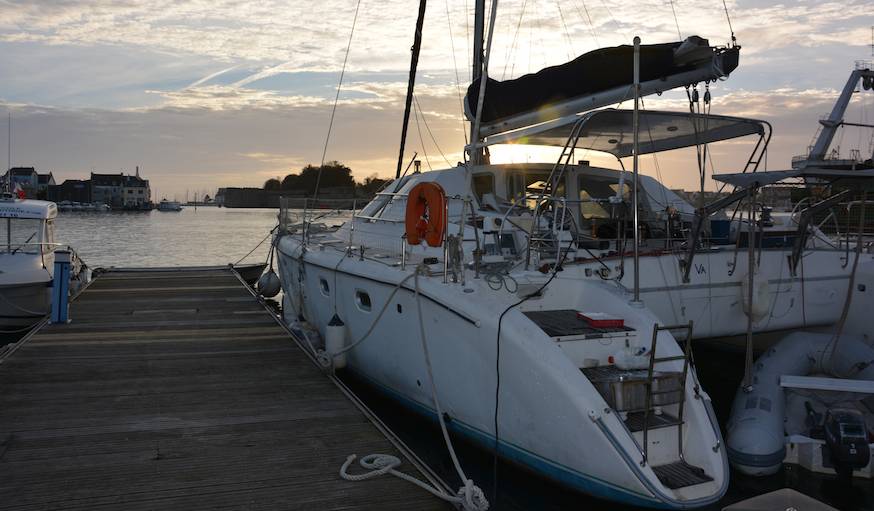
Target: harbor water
(218, 236)
(203, 236)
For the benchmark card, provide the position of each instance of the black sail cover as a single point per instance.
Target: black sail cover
(595, 71)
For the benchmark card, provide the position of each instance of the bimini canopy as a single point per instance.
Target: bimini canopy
(611, 131)
(759, 179)
(594, 80)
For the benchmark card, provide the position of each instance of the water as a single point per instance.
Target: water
(217, 236)
(720, 371)
(201, 237)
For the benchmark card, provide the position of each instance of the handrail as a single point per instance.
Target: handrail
(653, 360)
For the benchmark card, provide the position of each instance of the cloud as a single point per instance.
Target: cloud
(226, 92)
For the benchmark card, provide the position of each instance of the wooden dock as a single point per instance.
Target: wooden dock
(179, 390)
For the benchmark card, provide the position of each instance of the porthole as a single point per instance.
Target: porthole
(323, 286)
(362, 299)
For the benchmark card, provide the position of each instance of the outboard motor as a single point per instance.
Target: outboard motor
(847, 439)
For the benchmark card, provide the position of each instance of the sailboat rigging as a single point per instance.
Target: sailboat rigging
(596, 391)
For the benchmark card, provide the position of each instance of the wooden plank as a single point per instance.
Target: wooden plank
(178, 390)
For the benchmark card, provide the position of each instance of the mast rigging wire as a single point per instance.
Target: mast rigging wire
(728, 18)
(513, 43)
(455, 65)
(421, 140)
(677, 21)
(336, 100)
(430, 133)
(589, 19)
(567, 34)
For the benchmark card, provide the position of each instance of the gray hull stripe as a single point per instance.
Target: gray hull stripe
(756, 460)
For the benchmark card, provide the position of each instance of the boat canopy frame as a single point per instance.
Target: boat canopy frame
(748, 183)
(611, 131)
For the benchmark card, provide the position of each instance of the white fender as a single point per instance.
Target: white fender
(335, 340)
(761, 297)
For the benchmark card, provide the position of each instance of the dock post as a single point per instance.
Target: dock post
(61, 287)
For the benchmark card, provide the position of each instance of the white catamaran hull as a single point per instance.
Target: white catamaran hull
(551, 419)
(716, 296)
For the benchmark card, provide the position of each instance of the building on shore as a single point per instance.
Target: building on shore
(34, 184)
(121, 191)
(71, 190)
(135, 192)
(344, 197)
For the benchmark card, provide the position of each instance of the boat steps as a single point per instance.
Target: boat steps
(680, 474)
(634, 421)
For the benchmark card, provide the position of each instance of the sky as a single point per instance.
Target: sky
(202, 94)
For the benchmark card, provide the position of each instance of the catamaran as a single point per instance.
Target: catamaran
(546, 310)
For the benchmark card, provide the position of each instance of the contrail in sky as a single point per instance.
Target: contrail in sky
(210, 77)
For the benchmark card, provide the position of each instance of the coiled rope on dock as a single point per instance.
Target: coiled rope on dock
(469, 497)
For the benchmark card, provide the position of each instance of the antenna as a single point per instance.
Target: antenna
(872, 40)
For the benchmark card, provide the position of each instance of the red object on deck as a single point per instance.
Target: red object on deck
(601, 320)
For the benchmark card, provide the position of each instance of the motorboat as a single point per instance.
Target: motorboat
(167, 205)
(26, 260)
(810, 399)
(27, 256)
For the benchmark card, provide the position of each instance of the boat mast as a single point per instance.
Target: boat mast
(414, 62)
(479, 23)
(635, 179)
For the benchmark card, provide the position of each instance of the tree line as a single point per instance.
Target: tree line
(334, 175)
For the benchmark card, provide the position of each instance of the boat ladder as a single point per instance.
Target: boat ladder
(650, 391)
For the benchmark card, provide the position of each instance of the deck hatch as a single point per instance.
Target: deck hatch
(566, 323)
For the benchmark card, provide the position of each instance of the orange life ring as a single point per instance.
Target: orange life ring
(426, 214)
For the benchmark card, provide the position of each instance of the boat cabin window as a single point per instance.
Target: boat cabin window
(49, 239)
(591, 189)
(482, 184)
(530, 183)
(20, 235)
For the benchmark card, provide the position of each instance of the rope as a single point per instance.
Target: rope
(326, 359)
(469, 497)
(852, 282)
(16, 331)
(22, 309)
(336, 100)
(558, 266)
(473, 497)
(258, 245)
